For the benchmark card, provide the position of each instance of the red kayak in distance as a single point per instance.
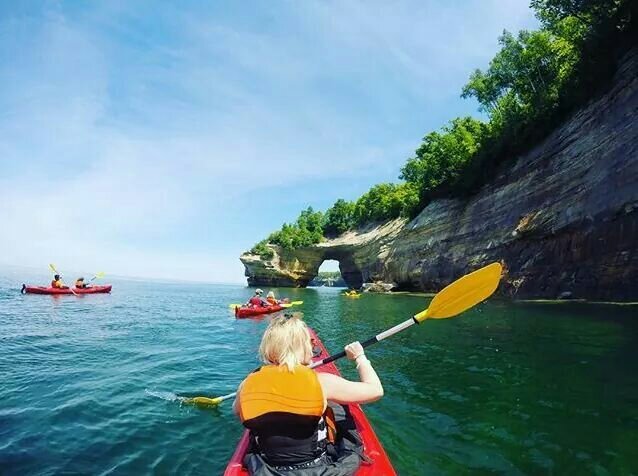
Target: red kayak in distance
(379, 464)
(241, 312)
(55, 291)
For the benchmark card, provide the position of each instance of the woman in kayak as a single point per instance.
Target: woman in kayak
(257, 300)
(80, 284)
(57, 282)
(292, 427)
(273, 301)
(270, 297)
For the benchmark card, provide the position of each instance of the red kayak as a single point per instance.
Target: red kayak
(379, 464)
(47, 290)
(255, 311)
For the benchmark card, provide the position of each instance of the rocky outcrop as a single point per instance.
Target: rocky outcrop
(355, 252)
(563, 219)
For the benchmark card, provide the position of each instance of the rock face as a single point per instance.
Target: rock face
(563, 219)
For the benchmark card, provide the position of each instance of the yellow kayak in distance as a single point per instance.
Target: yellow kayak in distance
(352, 295)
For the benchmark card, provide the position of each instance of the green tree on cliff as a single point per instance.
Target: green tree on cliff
(339, 218)
(307, 230)
(443, 155)
(385, 201)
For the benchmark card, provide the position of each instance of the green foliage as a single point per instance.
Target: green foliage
(339, 218)
(385, 201)
(307, 230)
(262, 250)
(525, 77)
(442, 156)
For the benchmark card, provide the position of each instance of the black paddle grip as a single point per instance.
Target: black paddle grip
(337, 356)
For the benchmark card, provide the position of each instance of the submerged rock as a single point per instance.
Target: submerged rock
(378, 287)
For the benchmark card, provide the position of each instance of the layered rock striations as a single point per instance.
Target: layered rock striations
(563, 219)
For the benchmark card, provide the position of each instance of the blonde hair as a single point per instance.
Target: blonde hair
(286, 342)
(271, 294)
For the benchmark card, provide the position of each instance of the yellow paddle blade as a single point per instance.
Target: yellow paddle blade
(234, 305)
(296, 303)
(204, 401)
(99, 275)
(463, 293)
(52, 266)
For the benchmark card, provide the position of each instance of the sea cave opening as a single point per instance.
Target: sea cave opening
(329, 275)
(340, 271)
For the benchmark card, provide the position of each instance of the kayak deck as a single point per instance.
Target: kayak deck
(55, 291)
(380, 464)
(256, 311)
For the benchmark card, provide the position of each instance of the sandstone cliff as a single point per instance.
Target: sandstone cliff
(563, 219)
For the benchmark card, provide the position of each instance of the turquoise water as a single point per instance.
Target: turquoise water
(89, 383)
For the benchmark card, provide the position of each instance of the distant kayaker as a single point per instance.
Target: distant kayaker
(80, 284)
(270, 297)
(257, 300)
(293, 427)
(57, 282)
(273, 301)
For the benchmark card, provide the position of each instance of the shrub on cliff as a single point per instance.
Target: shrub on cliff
(262, 250)
(385, 201)
(305, 231)
(442, 157)
(339, 218)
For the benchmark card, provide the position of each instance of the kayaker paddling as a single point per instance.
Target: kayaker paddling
(80, 284)
(270, 297)
(294, 429)
(57, 282)
(257, 300)
(273, 301)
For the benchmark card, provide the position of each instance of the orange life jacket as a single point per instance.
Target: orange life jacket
(285, 412)
(272, 301)
(56, 284)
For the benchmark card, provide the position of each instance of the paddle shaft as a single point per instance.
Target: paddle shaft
(367, 343)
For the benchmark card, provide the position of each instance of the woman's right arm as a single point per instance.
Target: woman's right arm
(340, 390)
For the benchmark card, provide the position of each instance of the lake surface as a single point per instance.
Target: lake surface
(88, 383)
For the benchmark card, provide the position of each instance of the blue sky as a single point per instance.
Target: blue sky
(163, 139)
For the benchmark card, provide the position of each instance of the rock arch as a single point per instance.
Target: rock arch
(296, 268)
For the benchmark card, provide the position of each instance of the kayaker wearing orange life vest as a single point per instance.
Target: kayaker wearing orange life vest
(57, 282)
(257, 300)
(270, 297)
(290, 429)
